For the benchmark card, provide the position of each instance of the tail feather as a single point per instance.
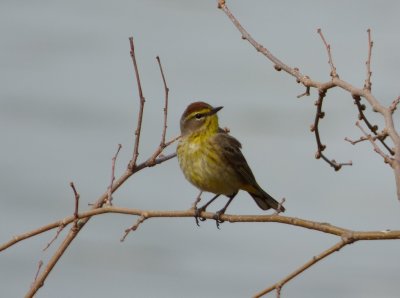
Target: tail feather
(265, 201)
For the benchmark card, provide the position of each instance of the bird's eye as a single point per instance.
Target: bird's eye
(199, 116)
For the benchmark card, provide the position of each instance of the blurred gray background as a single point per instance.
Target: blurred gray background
(68, 97)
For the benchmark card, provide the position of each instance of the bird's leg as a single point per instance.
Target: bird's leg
(198, 211)
(222, 211)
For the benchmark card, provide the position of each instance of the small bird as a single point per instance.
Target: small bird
(212, 160)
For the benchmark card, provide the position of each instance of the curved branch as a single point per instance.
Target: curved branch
(335, 81)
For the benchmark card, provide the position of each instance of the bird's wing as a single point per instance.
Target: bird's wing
(230, 149)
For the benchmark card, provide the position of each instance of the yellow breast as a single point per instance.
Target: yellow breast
(204, 165)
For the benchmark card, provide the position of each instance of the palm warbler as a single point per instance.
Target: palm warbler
(212, 161)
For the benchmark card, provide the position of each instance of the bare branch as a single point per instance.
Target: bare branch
(40, 264)
(386, 158)
(133, 167)
(278, 286)
(373, 128)
(368, 84)
(293, 221)
(135, 226)
(76, 210)
(315, 128)
(166, 90)
(135, 156)
(394, 104)
(59, 230)
(113, 161)
(305, 93)
(328, 49)
(334, 82)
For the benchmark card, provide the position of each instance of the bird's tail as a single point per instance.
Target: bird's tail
(265, 201)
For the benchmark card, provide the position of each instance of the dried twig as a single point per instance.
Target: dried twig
(113, 161)
(328, 49)
(40, 264)
(166, 90)
(379, 136)
(335, 81)
(373, 128)
(132, 168)
(394, 105)
(386, 158)
(278, 286)
(305, 93)
(135, 156)
(163, 144)
(368, 84)
(315, 128)
(76, 210)
(135, 226)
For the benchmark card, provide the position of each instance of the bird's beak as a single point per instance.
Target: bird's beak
(214, 110)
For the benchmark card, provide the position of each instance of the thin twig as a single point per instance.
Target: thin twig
(305, 93)
(76, 210)
(278, 286)
(163, 144)
(394, 105)
(372, 128)
(368, 84)
(386, 158)
(333, 82)
(135, 226)
(315, 128)
(59, 230)
(135, 156)
(330, 59)
(166, 91)
(379, 136)
(113, 161)
(133, 168)
(40, 264)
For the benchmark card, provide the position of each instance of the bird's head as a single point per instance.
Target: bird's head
(199, 117)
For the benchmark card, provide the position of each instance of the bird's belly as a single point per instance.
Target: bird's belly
(208, 171)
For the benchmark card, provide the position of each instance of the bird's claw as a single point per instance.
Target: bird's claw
(197, 216)
(217, 218)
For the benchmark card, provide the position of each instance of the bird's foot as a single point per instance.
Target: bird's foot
(197, 217)
(217, 217)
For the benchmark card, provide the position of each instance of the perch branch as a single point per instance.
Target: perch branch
(293, 221)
